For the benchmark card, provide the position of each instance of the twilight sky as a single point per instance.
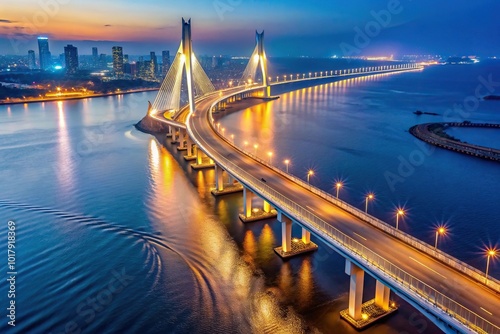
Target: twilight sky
(293, 27)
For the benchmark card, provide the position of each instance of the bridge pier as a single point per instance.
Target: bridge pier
(359, 314)
(293, 246)
(175, 136)
(220, 187)
(202, 161)
(254, 214)
(182, 140)
(190, 150)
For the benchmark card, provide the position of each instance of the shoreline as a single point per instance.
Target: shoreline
(38, 100)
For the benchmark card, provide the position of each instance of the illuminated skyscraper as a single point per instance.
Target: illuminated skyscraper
(153, 63)
(118, 61)
(71, 59)
(31, 60)
(165, 59)
(44, 53)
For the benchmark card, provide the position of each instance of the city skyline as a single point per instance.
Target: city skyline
(293, 28)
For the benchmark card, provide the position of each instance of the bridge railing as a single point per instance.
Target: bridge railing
(363, 254)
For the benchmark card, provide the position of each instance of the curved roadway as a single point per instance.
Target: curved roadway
(459, 287)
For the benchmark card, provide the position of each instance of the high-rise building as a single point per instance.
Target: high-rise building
(144, 70)
(71, 59)
(103, 63)
(154, 63)
(31, 60)
(44, 53)
(165, 59)
(125, 59)
(118, 61)
(95, 57)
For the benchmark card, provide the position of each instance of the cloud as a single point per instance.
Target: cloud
(108, 25)
(6, 21)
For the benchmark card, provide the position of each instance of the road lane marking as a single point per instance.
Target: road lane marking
(427, 267)
(360, 236)
(485, 310)
(307, 206)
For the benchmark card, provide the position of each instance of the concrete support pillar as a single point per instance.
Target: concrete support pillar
(357, 276)
(231, 178)
(306, 236)
(286, 233)
(174, 135)
(199, 157)
(219, 178)
(382, 294)
(183, 137)
(247, 202)
(267, 206)
(189, 146)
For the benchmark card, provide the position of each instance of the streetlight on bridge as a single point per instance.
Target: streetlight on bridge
(338, 185)
(401, 213)
(270, 154)
(256, 146)
(287, 162)
(309, 173)
(441, 230)
(492, 252)
(369, 197)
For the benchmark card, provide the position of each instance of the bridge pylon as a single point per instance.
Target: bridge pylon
(196, 80)
(257, 60)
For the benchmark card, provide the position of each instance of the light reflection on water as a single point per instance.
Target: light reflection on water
(127, 203)
(226, 283)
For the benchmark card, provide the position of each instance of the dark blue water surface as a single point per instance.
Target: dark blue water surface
(116, 234)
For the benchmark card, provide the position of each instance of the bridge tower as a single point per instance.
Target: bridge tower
(257, 60)
(185, 69)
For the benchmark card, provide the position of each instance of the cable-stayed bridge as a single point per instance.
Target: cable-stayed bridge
(454, 295)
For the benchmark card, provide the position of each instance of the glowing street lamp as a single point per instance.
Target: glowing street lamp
(368, 198)
(223, 131)
(310, 74)
(256, 146)
(232, 138)
(492, 252)
(338, 185)
(309, 173)
(245, 144)
(287, 162)
(441, 230)
(270, 154)
(401, 213)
